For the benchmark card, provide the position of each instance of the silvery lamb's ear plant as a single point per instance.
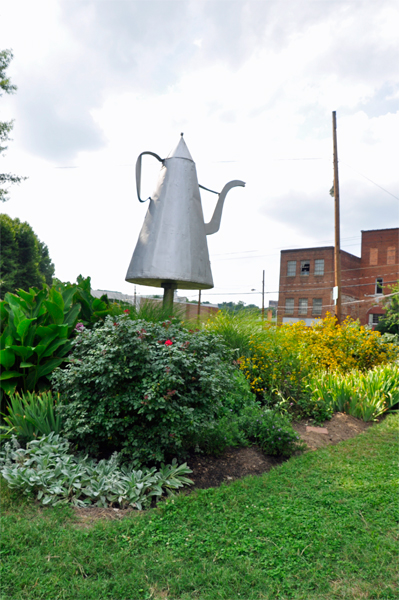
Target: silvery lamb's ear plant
(46, 469)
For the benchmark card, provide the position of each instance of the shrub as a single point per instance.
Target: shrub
(345, 347)
(48, 470)
(267, 428)
(141, 388)
(271, 431)
(239, 396)
(389, 323)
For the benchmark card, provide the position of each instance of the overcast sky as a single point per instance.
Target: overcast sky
(252, 84)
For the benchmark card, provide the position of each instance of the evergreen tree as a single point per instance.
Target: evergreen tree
(24, 261)
(6, 126)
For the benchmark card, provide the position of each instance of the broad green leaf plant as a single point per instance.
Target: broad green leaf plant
(36, 327)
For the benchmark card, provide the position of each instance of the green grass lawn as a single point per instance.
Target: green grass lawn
(321, 526)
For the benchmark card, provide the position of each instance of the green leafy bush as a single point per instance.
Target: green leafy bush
(48, 470)
(267, 428)
(30, 416)
(141, 388)
(239, 396)
(271, 431)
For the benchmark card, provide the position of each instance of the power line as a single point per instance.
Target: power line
(285, 292)
(353, 269)
(231, 161)
(350, 285)
(371, 181)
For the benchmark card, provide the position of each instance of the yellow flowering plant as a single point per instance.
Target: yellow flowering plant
(283, 357)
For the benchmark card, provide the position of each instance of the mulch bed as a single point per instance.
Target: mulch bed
(234, 463)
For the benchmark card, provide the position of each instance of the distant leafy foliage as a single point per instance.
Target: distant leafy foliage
(142, 388)
(30, 416)
(25, 261)
(235, 307)
(48, 470)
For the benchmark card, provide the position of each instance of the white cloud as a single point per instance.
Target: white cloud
(251, 84)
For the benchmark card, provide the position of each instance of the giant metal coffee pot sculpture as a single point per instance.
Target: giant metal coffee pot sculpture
(172, 251)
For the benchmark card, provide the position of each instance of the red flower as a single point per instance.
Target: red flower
(126, 311)
(168, 343)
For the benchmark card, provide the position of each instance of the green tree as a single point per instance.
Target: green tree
(239, 306)
(25, 261)
(389, 323)
(6, 126)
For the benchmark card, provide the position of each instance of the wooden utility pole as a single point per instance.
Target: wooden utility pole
(337, 256)
(263, 295)
(199, 305)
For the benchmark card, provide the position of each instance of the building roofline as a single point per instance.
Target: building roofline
(304, 249)
(320, 248)
(386, 229)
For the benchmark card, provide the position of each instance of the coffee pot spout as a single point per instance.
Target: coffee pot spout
(214, 224)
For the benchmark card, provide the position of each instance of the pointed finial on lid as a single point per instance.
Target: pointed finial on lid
(181, 150)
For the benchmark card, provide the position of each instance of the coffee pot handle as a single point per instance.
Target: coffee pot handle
(138, 173)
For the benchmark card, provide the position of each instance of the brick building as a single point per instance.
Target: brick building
(307, 279)
(188, 309)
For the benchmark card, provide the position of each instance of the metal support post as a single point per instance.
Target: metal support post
(169, 288)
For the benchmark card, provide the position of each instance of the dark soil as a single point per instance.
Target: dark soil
(211, 471)
(234, 463)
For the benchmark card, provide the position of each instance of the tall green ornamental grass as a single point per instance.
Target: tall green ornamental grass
(237, 329)
(365, 396)
(149, 310)
(30, 416)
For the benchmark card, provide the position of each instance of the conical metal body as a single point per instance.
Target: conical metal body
(172, 246)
